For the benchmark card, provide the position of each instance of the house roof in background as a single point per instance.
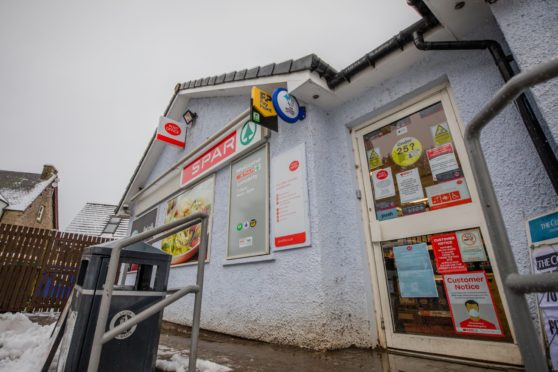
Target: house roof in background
(20, 189)
(93, 218)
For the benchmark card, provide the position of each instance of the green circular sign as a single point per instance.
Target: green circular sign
(239, 227)
(248, 132)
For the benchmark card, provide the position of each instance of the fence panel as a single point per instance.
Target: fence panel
(38, 267)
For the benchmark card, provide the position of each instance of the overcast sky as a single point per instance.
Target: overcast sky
(82, 84)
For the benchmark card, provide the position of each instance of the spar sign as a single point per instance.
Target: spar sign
(171, 131)
(221, 151)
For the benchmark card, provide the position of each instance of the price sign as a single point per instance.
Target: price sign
(407, 151)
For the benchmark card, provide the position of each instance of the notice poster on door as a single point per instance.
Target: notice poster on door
(382, 179)
(410, 187)
(414, 270)
(471, 245)
(448, 194)
(447, 254)
(289, 194)
(545, 259)
(443, 163)
(471, 304)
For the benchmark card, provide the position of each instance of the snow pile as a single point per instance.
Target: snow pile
(24, 345)
(179, 362)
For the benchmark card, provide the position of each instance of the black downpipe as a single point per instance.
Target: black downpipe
(543, 147)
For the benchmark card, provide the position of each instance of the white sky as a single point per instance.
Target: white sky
(82, 84)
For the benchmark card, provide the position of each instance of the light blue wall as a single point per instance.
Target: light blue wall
(321, 296)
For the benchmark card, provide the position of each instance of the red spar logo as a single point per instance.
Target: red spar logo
(172, 129)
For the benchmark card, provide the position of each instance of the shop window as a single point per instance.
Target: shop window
(443, 285)
(112, 225)
(413, 165)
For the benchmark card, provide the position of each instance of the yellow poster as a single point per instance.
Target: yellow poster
(374, 158)
(407, 151)
(441, 134)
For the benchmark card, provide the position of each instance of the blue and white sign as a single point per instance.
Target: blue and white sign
(543, 229)
(414, 271)
(287, 107)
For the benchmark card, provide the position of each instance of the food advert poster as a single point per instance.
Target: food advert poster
(183, 246)
(289, 197)
(414, 269)
(382, 179)
(447, 254)
(448, 194)
(141, 224)
(471, 304)
(443, 163)
(471, 245)
(248, 206)
(410, 187)
(544, 260)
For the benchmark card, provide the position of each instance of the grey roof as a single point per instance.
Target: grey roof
(93, 218)
(20, 189)
(310, 62)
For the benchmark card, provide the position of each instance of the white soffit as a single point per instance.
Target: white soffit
(459, 22)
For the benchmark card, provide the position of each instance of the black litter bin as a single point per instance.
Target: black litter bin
(135, 349)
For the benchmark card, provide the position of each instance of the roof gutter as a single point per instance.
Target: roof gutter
(396, 43)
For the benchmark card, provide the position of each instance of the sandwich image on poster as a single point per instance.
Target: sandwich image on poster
(414, 270)
(471, 304)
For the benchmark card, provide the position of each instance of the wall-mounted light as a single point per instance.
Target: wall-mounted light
(189, 117)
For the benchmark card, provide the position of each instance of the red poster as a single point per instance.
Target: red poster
(447, 254)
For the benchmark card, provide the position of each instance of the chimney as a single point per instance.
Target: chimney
(48, 171)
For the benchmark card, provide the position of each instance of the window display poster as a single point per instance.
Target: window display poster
(447, 254)
(410, 187)
(374, 158)
(440, 134)
(183, 246)
(471, 246)
(414, 269)
(289, 195)
(448, 194)
(443, 163)
(545, 259)
(145, 222)
(382, 180)
(471, 304)
(248, 206)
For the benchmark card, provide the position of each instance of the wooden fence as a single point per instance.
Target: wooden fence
(38, 267)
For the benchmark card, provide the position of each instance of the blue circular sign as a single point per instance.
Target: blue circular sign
(287, 106)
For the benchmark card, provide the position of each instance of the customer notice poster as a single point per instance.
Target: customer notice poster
(471, 304)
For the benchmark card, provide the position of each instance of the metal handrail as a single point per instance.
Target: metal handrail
(515, 285)
(101, 337)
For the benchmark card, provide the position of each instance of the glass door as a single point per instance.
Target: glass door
(439, 291)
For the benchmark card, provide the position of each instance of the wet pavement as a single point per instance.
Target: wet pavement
(253, 356)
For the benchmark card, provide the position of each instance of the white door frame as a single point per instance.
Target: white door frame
(470, 215)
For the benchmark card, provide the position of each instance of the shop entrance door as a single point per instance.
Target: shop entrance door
(429, 249)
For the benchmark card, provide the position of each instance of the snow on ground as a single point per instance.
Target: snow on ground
(24, 345)
(178, 362)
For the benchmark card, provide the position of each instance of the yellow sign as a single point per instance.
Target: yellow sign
(441, 134)
(262, 111)
(374, 158)
(407, 151)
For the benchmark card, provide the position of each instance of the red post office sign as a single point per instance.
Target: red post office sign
(171, 131)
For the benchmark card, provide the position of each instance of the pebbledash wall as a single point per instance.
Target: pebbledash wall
(321, 296)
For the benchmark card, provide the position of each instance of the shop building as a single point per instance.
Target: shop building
(361, 224)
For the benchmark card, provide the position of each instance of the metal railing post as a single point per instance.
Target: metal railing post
(117, 247)
(529, 344)
(198, 301)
